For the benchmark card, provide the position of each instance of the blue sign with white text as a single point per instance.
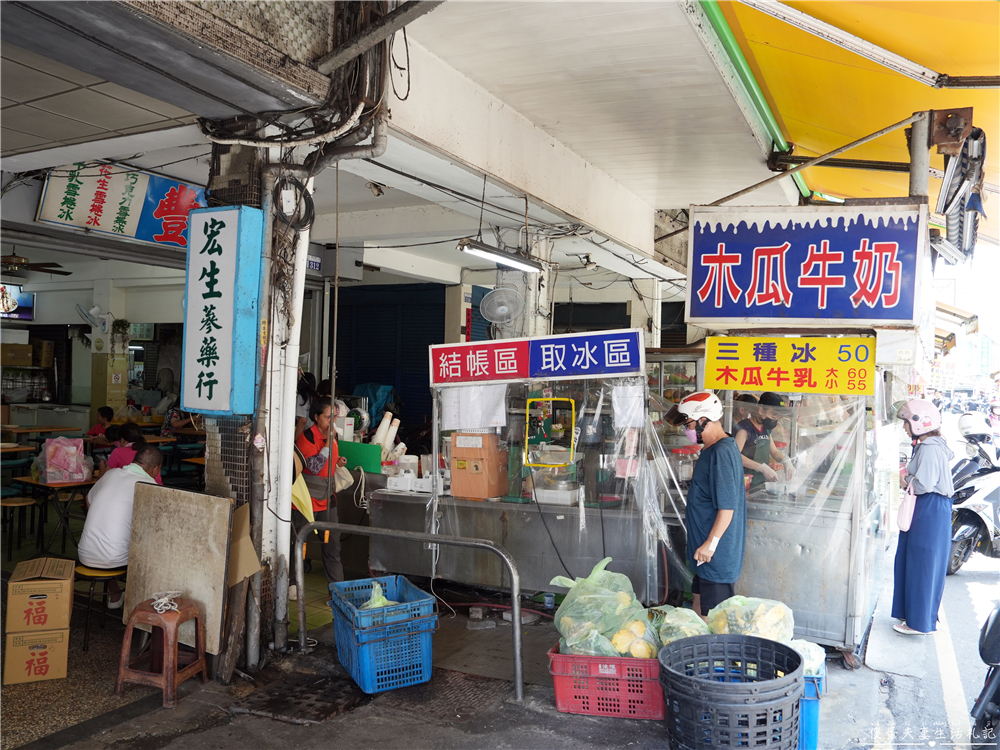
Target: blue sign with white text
(808, 264)
(615, 354)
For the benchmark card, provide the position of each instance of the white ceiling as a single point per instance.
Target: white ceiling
(47, 104)
(628, 86)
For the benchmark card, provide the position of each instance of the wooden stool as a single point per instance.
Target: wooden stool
(95, 576)
(22, 504)
(164, 656)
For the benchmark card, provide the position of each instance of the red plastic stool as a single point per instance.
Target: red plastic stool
(165, 669)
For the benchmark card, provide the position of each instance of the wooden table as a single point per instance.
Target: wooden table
(35, 430)
(158, 440)
(18, 449)
(199, 460)
(189, 431)
(63, 509)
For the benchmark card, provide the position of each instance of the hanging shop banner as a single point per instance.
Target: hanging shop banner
(572, 356)
(120, 201)
(221, 311)
(809, 265)
(791, 365)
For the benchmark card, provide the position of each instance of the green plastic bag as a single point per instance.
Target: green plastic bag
(764, 618)
(377, 599)
(675, 623)
(603, 602)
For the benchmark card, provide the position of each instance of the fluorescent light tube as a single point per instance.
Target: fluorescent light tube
(499, 256)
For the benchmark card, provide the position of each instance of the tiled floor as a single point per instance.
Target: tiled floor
(318, 612)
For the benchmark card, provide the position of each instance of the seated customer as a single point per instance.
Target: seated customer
(132, 439)
(107, 531)
(102, 452)
(104, 416)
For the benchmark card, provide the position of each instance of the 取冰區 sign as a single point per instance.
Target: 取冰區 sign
(791, 365)
(221, 302)
(120, 201)
(586, 355)
(805, 265)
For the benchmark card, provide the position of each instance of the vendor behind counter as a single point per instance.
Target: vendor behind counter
(753, 438)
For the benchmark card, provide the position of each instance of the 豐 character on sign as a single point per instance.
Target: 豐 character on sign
(616, 353)
(769, 286)
(172, 211)
(720, 276)
(553, 357)
(506, 361)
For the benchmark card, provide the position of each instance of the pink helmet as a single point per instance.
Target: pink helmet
(922, 415)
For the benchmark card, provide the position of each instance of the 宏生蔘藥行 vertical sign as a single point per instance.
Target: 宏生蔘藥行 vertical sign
(221, 310)
(813, 265)
(791, 365)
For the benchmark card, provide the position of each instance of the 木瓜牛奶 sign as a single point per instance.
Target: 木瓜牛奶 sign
(120, 201)
(812, 364)
(221, 304)
(840, 266)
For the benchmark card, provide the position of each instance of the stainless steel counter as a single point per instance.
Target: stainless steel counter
(524, 530)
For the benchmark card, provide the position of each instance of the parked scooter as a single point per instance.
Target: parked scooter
(986, 709)
(975, 521)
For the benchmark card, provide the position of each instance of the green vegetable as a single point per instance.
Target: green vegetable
(377, 599)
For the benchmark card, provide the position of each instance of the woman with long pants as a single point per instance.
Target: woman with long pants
(922, 552)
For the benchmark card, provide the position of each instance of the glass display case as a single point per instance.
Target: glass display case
(671, 376)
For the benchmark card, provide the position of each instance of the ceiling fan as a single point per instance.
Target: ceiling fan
(14, 263)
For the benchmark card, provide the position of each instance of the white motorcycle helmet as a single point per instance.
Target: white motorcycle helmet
(697, 405)
(972, 424)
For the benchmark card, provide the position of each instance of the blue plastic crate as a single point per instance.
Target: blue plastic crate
(815, 688)
(388, 656)
(348, 596)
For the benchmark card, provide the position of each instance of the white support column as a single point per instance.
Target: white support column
(645, 309)
(457, 304)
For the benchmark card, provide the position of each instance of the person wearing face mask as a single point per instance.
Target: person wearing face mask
(753, 439)
(716, 517)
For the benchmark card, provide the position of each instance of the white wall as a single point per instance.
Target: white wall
(80, 374)
(155, 305)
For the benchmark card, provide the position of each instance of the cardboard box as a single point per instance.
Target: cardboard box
(40, 595)
(478, 467)
(16, 355)
(43, 353)
(243, 558)
(36, 656)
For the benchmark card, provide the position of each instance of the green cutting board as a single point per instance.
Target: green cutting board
(365, 455)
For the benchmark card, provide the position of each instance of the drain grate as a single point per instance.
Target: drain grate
(449, 696)
(303, 699)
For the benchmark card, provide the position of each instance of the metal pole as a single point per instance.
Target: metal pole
(920, 157)
(819, 159)
(418, 536)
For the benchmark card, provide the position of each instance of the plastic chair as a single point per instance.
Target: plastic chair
(164, 655)
(95, 576)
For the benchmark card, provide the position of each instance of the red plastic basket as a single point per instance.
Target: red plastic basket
(603, 686)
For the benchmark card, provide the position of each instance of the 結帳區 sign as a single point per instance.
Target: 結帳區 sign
(570, 356)
(816, 265)
(791, 365)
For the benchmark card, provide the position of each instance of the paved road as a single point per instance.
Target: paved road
(926, 685)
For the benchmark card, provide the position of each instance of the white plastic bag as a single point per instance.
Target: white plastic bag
(764, 618)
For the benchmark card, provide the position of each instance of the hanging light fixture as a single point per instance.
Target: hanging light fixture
(519, 262)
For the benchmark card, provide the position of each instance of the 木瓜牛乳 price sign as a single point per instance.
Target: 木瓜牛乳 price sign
(791, 365)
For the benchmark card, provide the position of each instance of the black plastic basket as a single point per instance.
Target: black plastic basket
(731, 691)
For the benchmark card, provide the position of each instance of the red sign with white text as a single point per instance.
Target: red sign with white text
(487, 360)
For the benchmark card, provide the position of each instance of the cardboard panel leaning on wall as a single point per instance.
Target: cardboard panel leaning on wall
(180, 542)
